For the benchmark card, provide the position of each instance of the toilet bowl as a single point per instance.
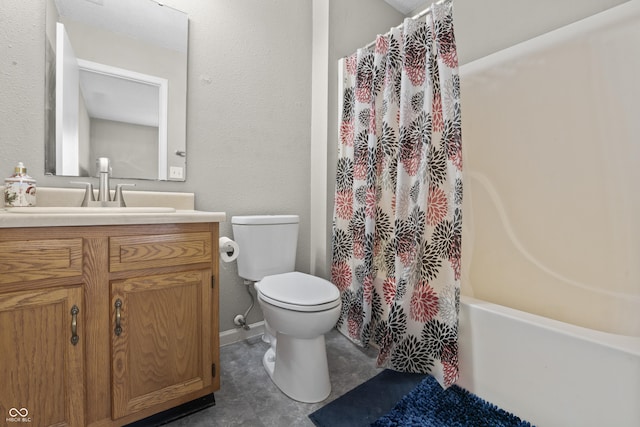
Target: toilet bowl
(299, 309)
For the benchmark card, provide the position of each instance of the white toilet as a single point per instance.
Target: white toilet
(298, 308)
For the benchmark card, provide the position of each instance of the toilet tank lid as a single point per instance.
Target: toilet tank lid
(265, 219)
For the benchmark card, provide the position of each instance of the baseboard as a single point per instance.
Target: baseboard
(239, 334)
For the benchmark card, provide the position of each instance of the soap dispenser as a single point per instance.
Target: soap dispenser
(19, 188)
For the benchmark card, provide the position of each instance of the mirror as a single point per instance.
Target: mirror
(116, 87)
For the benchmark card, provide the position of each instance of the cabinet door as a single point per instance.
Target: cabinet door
(41, 361)
(160, 339)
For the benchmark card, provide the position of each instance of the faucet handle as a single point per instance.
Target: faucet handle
(118, 196)
(88, 193)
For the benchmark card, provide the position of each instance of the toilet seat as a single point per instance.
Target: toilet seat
(298, 291)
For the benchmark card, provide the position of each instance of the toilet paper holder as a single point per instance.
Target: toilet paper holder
(229, 249)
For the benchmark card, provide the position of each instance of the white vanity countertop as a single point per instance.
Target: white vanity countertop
(183, 203)
(12, 220)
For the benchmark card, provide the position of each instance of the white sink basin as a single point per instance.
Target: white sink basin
(92, 210)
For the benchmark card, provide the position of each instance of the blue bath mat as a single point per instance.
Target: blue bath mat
(411, 400)
(368, 401)
(428, 405)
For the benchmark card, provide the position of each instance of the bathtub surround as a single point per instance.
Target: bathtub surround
(398, 216)
(552, 168)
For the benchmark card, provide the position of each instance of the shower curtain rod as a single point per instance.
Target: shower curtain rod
(419, 15)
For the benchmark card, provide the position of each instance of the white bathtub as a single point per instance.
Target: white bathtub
(551, 230)
(550, 373)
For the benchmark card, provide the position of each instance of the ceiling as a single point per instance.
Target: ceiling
(407, 7)
(120, 99)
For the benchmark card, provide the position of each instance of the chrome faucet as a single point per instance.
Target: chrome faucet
(104, 195)
(104, 170)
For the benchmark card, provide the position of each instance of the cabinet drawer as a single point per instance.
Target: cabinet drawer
(138, 252)
(26, 260)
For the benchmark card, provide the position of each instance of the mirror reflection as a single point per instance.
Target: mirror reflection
(116, 80)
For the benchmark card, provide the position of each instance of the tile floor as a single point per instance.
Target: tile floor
(248, 398)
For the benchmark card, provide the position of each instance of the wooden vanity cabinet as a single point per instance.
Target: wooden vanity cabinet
(146, 320)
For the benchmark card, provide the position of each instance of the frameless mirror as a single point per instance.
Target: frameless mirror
(116, 87)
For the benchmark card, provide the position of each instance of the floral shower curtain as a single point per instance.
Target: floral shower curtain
(398, 203)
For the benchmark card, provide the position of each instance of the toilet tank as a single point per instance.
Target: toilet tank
(267, 244)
